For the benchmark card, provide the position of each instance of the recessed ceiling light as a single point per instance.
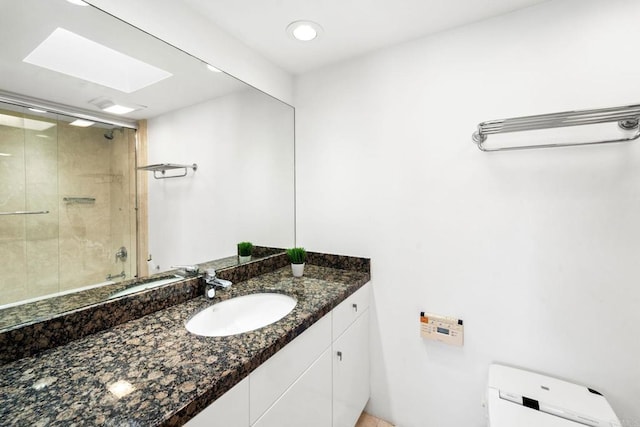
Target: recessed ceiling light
(113, 108)
(118, 109)
(212, 68)
(81, 123)
(19, 122)
(78, 2)
(304, 30)
(76, 56)
(36, 110)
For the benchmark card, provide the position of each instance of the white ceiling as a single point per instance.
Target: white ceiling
(32, 21)
(351, 27)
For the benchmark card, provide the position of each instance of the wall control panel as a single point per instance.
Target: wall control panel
(448, 330)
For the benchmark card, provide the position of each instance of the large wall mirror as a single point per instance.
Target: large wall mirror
(77, 208)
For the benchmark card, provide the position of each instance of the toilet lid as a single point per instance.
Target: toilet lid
(503, 413)
(521, 398)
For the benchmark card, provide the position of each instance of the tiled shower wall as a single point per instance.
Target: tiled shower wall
(74, 245)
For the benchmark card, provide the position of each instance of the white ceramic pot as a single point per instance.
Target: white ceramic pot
(243, 259)
(297, 269)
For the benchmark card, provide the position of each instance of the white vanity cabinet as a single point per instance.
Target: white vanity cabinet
(350, 358)
(320, 379)
(351, 373)
(230, 410)
(284, 384)
(307, 402)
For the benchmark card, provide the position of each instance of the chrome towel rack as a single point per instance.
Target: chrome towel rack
(25, 213)
(79, 200)
(627, 117)
(164, 167)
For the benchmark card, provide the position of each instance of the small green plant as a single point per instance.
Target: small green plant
(297, 255)
(245, 248)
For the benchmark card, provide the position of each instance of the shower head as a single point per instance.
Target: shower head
(109, 134)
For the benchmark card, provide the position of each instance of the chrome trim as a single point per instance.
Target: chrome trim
(627, 118)
(24, 213)
(52, 107)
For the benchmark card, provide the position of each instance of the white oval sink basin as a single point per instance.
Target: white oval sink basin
(241, 314)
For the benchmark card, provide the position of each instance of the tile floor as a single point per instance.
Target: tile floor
(367, 420)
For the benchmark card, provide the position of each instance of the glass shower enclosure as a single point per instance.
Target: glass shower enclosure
(67, 204)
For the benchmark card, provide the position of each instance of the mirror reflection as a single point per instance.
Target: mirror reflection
(68, 204)
(141, 102)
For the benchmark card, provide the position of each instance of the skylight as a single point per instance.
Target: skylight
(76, 56)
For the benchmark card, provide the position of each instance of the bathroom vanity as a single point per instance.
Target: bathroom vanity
(309, 368)
(320, 379)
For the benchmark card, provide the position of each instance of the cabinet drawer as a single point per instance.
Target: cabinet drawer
(349, 310)
(273, 377)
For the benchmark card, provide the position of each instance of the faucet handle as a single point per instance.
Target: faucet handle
(211, 278)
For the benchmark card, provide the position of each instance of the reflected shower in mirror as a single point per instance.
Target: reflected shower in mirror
(106, 219)
(68, 204)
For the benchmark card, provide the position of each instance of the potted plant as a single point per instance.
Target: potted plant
(297, 256)
(245, 249)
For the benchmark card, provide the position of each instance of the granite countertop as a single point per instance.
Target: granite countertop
(49, 307)
(173, 374)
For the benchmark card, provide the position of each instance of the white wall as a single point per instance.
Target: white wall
(538, 251)
(243, 188)
(180, 26)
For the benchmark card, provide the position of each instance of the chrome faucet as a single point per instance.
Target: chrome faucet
(212, 282)
(189, 270)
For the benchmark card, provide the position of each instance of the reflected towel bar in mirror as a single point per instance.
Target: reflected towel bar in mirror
(24, 213)
(79, 200)
(164, 167)
(627, 118)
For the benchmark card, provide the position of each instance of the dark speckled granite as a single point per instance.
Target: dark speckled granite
(58, 322)
(339, 261)
(174, 374)
(29, 339)
(244, 272)
(265, 251)
(47, 308)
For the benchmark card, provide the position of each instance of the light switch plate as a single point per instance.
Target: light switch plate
(448, 330)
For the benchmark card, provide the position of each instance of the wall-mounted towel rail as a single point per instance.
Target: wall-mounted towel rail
(627, 118)
(122, 275)
(24, 213)
(164, 167)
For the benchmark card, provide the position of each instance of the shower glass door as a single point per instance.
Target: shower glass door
(27, 222)
(67, 204)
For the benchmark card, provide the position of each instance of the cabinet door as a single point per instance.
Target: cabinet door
(229, 410)
(276, 375)
(351, 372)
(307, 402)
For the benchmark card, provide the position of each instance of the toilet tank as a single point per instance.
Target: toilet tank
(520, 398)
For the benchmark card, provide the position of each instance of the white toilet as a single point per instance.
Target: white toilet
(518, 398)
